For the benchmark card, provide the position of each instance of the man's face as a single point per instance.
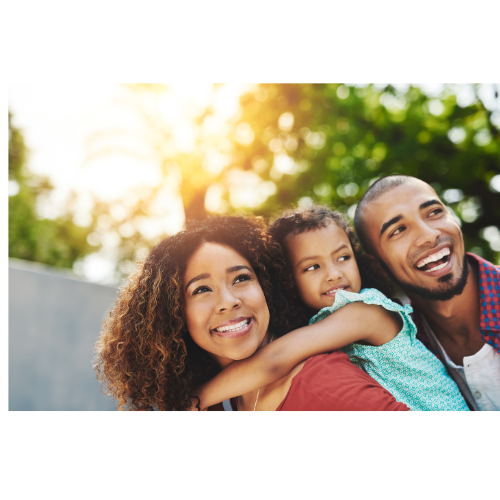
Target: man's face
(418, 240)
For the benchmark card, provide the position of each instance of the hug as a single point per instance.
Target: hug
(295, 316)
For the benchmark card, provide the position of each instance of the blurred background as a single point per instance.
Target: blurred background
(97, 174)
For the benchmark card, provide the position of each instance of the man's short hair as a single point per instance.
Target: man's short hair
(377, 189)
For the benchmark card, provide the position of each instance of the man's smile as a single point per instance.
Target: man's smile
(435, 260)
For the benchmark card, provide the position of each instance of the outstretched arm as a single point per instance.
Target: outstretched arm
(352, 323)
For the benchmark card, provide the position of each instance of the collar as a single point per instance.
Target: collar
(489, 292)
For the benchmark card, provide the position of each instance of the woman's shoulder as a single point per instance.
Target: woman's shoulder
(331, 382)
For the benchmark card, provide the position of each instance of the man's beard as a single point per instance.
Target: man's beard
(444, 293)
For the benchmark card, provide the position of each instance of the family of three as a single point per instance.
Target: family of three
(295, 316)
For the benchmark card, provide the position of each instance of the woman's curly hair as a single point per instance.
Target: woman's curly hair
(306, 219)
(145, 357)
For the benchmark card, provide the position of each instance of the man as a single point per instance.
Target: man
(403, 224)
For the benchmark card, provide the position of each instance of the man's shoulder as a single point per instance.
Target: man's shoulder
(485, 266)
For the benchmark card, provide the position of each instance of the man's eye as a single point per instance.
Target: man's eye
(201, 289)
(312, 268)
(436, 211)
(241, 278)
(397, 231)
(344, 257)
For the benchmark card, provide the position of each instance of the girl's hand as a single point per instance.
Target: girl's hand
(195, 404)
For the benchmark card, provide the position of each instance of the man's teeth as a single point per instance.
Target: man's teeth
(233, 328)
(436, 268)
(432, 258)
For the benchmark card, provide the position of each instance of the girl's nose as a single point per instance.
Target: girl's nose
(333, 274)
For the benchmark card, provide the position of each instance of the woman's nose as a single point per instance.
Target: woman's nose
(228, 300)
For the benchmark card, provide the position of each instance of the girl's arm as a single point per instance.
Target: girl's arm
(354, 322)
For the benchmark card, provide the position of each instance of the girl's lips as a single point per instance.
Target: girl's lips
(333, 290)
(231, 334)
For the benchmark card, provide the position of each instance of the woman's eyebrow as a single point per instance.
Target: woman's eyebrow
(197, 278)
(237, 268)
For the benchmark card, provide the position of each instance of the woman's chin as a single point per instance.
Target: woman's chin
(243, 350)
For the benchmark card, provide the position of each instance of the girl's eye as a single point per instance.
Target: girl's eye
(311, 268)
(397, 231)
(241, 278)
(436, 211)
(201, 289)
(344, 257)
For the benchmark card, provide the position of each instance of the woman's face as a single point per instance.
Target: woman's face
(225, 308)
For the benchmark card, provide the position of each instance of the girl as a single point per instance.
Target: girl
(376, 333)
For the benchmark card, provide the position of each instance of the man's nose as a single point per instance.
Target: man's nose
(227, 300)
(426, 234)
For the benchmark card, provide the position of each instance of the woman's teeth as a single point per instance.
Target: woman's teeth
(233, 328)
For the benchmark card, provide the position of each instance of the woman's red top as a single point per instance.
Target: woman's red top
(330, 382)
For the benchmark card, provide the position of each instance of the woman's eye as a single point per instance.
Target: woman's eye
(312, 268)
(201, 289)
(241, 278)
(344, 257)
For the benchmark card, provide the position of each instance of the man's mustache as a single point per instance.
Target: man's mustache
(441, 240)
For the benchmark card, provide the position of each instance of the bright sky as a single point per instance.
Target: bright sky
(59, 123)
(58, 120)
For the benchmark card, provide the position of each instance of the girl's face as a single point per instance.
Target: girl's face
(225, 308)
(323, 262)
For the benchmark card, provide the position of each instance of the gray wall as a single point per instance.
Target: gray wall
(54, 321)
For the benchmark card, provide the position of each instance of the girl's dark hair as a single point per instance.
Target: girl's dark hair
(301, 220)
(145, 357)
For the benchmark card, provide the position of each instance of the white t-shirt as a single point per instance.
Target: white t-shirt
(478, 378)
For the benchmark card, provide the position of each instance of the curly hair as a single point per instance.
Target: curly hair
(145, 357)
(307, 219)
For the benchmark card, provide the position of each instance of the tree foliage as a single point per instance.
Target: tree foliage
(58, 242)
(326, 143)
(288, 144)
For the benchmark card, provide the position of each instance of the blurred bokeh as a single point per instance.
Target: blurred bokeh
(97, 174)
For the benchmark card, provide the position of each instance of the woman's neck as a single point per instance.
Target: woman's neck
(246, 402)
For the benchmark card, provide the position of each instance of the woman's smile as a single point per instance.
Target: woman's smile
(234, 328)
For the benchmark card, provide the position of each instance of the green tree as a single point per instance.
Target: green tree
(326, 143)
(59, 242)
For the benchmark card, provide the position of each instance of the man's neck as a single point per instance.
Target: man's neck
(455, 322)
(456, 311)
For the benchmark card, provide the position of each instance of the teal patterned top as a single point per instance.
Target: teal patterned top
(411, 373)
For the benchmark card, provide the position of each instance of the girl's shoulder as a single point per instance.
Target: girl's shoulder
(369, 296)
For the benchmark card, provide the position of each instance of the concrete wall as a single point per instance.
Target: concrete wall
(54, 321)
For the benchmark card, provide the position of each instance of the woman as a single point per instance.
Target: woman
(202, 299)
